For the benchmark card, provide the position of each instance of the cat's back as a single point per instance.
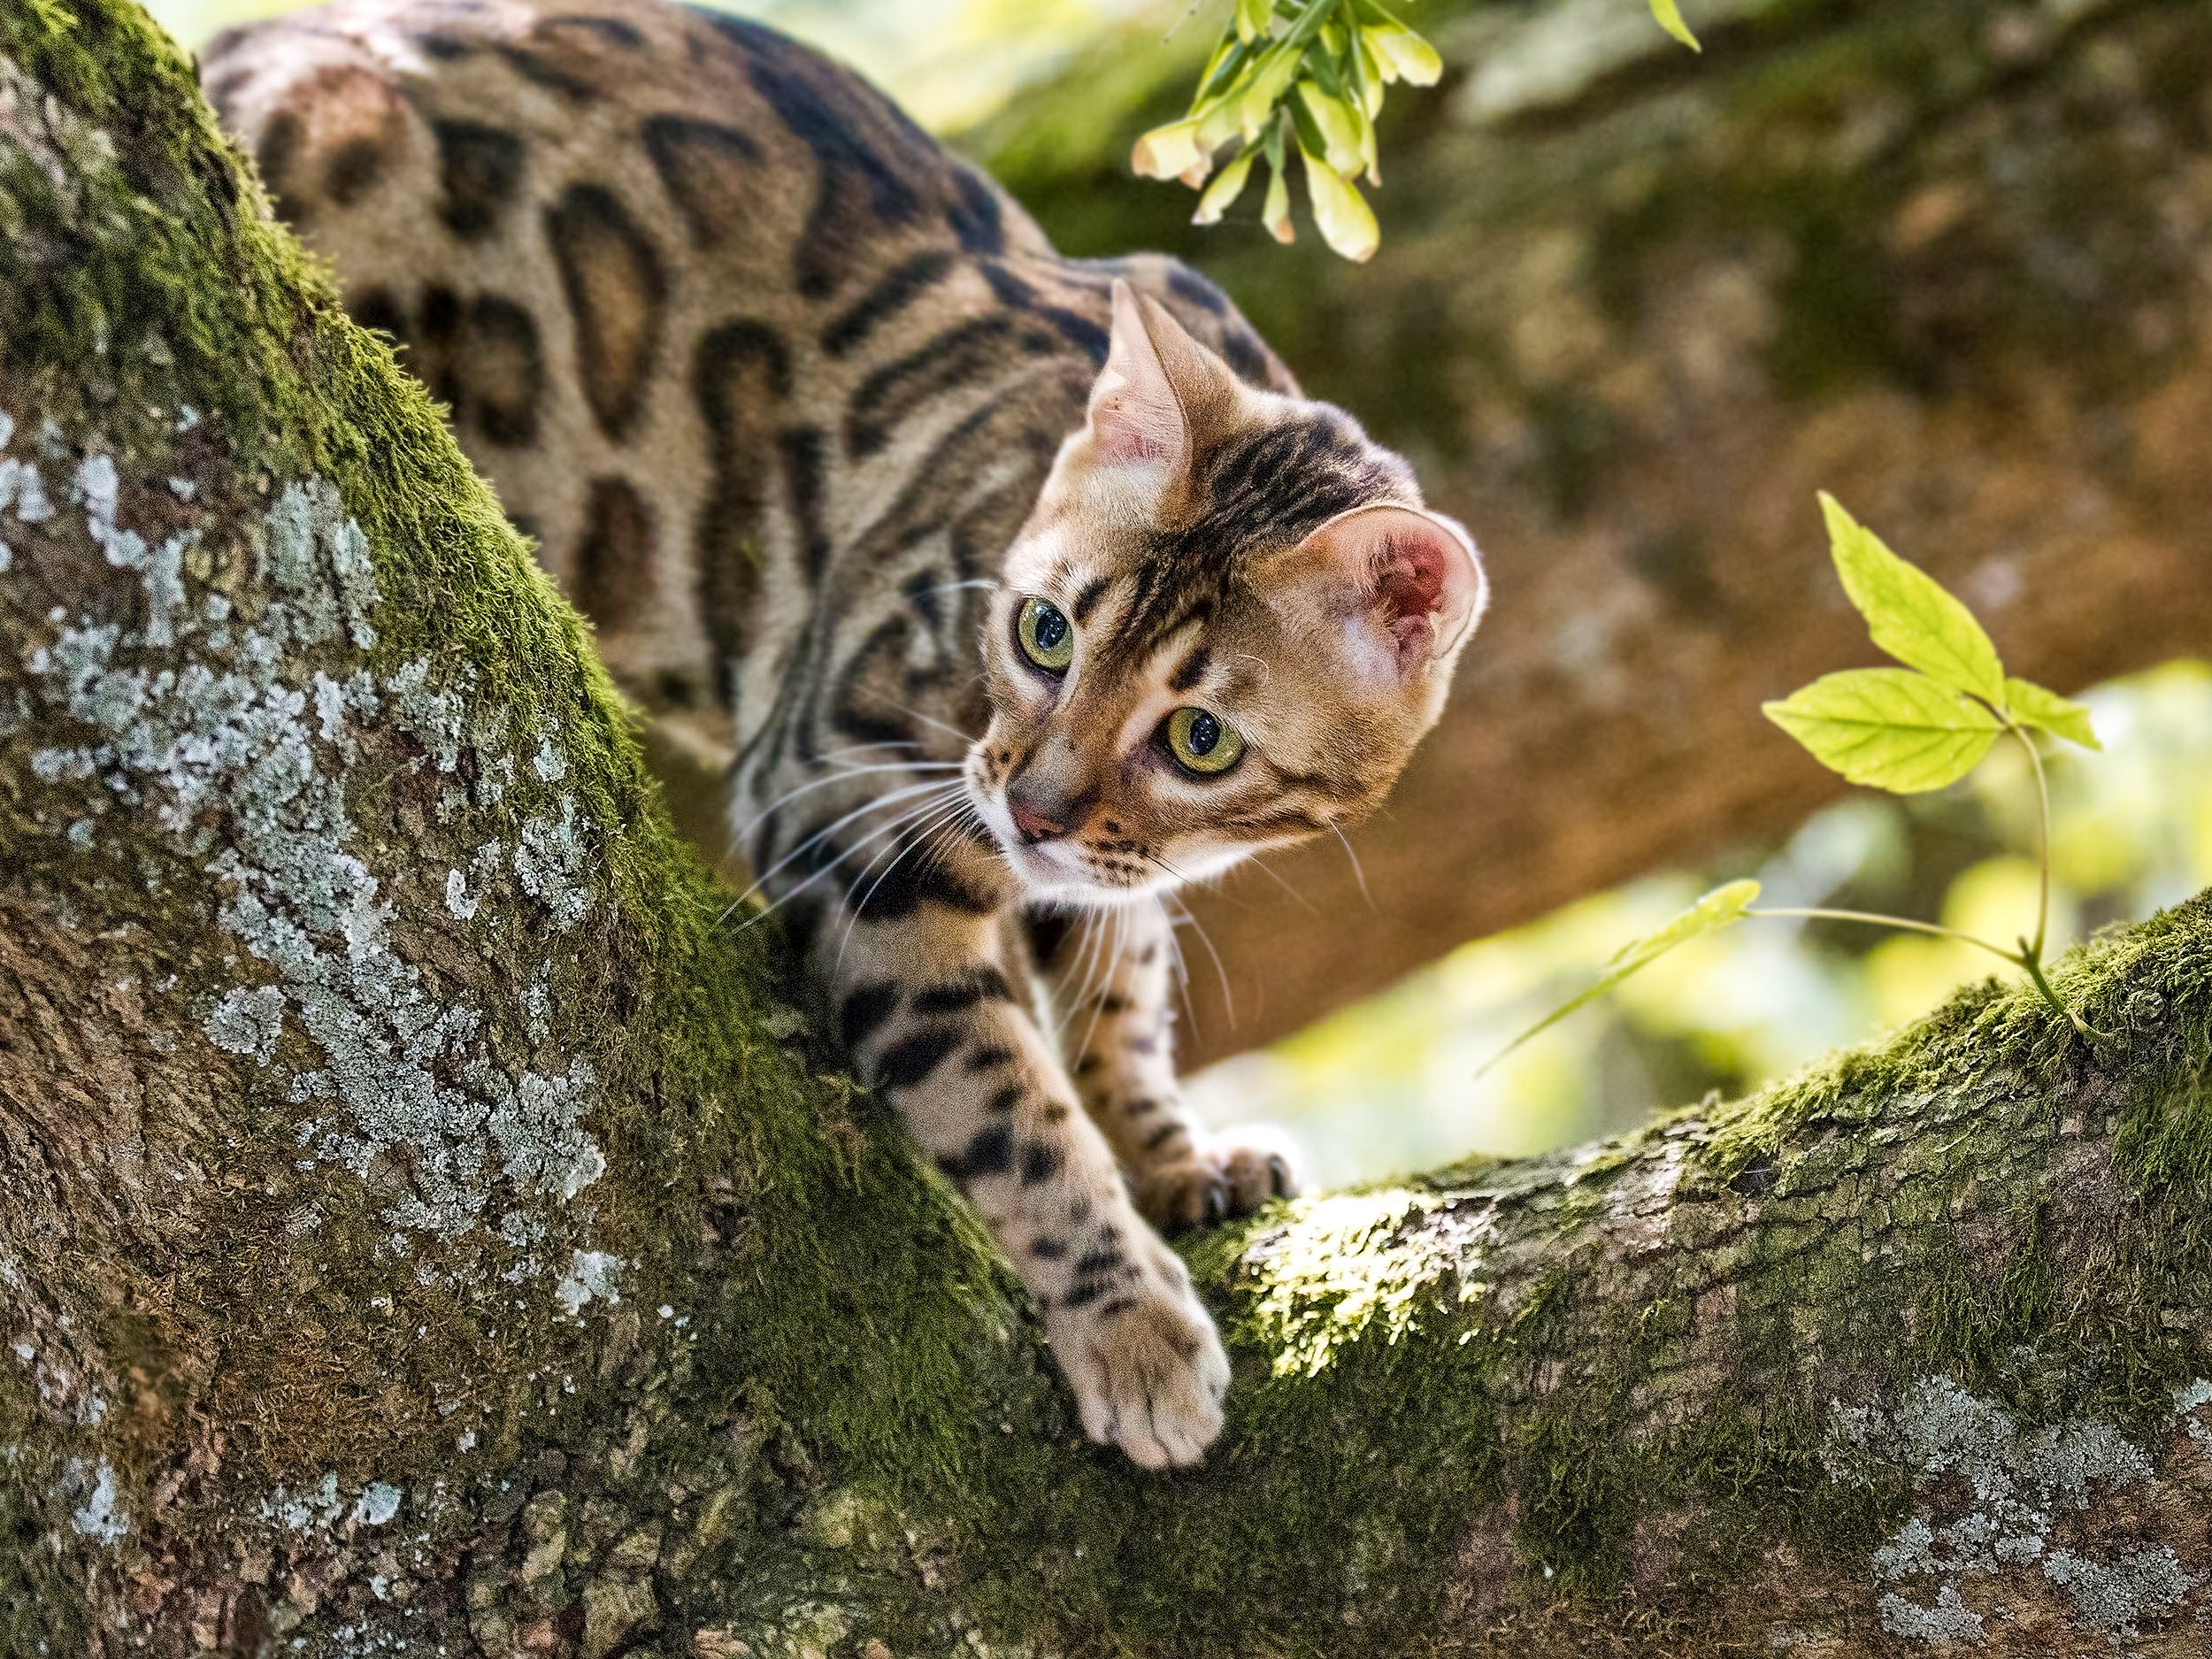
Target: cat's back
(603, 236)
(704, 304)
(709, 133)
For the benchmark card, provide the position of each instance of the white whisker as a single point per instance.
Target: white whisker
(873, 804)
(1094, 939)
(905, 845)
(936, 792)
(931, 719)
(1111, 959)
(1358, 874)
(1228, 998)
(840, 776)
(1266, 870)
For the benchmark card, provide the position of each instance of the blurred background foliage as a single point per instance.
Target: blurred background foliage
(1384, 1085)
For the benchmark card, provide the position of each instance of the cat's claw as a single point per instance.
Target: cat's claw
(1149, 1377)
(1223, 1177)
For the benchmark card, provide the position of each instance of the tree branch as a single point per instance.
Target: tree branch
(422, 1227)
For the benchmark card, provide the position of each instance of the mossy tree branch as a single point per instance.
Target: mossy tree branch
(423, 1229)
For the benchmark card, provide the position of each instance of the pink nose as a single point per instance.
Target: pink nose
(1035, 826)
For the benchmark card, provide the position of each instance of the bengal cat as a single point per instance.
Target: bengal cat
(1022, 588)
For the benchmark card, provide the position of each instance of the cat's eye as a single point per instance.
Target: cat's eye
(1047, 638)
(1203, 743)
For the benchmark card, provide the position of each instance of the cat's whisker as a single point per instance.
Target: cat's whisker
(1120, 926)
(874, 804)
(840, 776)
(1182, 977)
(865, 840)
(858, 847)
(1358, 874)
(905, 844)
(1228, 997)
(862, 748)
(928, 838)
(1268, 871)
(931, 719)
(936, 793)
(1094, 953)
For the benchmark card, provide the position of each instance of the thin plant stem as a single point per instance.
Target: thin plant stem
(2035, 973)
(2042, 842)
(1875, 918)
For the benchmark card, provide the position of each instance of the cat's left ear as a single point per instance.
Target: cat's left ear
(1158, 387)
(1402, 585)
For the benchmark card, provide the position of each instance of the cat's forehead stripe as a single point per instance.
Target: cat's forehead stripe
(1088, 596)
(1191, 669)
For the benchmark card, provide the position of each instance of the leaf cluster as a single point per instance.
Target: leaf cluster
(1303, 76)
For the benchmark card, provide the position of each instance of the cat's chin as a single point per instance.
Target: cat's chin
(1060, 877)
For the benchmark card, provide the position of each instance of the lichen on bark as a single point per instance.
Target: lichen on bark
(422, 1225)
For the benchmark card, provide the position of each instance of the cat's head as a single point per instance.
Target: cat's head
(1223, 627)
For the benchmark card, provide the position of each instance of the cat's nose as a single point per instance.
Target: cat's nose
(1034, 824)
(1042, 816)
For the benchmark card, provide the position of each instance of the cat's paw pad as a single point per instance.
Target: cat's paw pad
(1220, 1177)
(1148, 1376)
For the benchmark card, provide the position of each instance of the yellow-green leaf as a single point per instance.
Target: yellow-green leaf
(1908, 611)
(1403, 55)
(1253, 17)
(1718, 909)
(2030, 704)
(1670, 17)
(1168, 151)
(1338, 128)
(1888, 727)
(1224, 190)
(1347, 223)
(1275, 212)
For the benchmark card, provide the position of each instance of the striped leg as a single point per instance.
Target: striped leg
(932, 1021)
(1111, 980)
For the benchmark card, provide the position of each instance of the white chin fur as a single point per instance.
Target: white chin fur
(1056, 871)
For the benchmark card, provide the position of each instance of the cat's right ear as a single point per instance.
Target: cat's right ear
(1135, 418)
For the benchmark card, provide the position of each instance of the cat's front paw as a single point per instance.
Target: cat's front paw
(1218, 1178)
(1149, 1375)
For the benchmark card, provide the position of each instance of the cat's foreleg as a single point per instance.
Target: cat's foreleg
(1110, 975)
(932, 1022)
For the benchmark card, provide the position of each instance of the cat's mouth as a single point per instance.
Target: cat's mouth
(1056, 868)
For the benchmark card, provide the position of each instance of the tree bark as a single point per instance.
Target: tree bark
(423, 1228)
(1633, 308)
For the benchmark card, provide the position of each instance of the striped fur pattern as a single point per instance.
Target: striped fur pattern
(807, 417)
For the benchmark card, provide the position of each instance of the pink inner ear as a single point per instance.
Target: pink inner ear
(1406, 585)
(1124, 431)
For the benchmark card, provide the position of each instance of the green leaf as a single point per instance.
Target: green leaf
(1888, 727)
(1670, 17)
(2061, 717)
(1908, 611)
(1718, 909)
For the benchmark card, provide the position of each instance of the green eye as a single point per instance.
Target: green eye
(1202, 742)
(1047, 638)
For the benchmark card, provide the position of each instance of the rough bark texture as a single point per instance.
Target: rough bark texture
(423, 1231)
(1633, 308)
